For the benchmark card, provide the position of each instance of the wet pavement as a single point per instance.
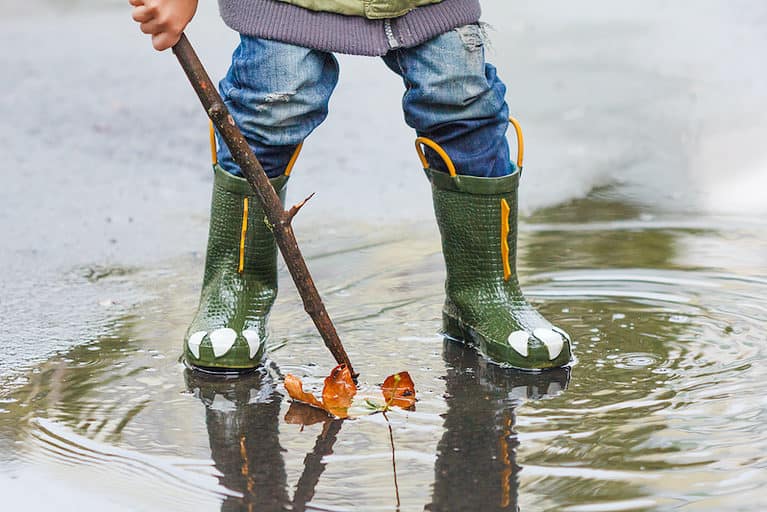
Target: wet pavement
(645, 238)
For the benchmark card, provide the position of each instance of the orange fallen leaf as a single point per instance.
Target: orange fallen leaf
(399, 390)
(295, 389)
(337, 394)
(339, 391)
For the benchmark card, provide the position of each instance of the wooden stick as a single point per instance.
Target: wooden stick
(278, 218)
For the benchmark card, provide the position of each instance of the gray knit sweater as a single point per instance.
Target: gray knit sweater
(270, 19)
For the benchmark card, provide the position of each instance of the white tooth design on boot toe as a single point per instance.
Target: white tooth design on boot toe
(563, 333)
(222, 341)
(553, 341)
(194, 343)
(518, 341)
(254, 341)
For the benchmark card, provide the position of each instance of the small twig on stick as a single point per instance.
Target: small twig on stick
(275, 214)
(296, 207)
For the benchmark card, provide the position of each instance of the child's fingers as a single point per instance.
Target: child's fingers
(136, 3)
(141, 14)
(152, 26)
(165, 40)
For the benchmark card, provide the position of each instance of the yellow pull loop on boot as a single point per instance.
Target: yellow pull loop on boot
(424, 141)
(520, 142)
(293, 159)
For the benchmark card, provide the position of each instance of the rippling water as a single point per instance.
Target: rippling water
(662, 411)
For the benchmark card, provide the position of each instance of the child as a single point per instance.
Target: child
(278, 88)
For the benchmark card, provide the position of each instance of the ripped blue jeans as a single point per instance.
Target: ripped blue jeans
(278, 94)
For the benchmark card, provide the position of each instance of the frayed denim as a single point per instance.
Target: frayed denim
(278, 94)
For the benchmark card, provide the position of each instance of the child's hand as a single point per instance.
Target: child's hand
(165, 20)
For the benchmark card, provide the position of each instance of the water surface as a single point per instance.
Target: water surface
(659, 413)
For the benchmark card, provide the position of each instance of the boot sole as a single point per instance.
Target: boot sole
(237, 360)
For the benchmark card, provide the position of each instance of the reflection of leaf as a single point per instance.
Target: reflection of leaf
(399, 390)
(305, 415)
(336, 395)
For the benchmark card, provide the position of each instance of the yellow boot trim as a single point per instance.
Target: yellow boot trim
(242, 236)
(505, 211)
(213, 150)
(507, 472)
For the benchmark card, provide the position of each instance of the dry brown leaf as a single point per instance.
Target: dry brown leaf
(337, 394)
(295, 389)
(399, 390)
(339, 391)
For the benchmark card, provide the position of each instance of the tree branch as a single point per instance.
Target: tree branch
(277, 217)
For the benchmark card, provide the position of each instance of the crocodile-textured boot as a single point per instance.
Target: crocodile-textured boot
(484, 305)
(240, 282)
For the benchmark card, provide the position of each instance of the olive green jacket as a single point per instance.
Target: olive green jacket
(371, 9)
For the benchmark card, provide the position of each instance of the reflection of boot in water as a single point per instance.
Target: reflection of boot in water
(476, 459)
(242, 416)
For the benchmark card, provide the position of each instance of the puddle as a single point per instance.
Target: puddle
(659, 412)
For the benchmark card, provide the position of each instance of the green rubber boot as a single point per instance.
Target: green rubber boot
(484, 306)
(240, 282)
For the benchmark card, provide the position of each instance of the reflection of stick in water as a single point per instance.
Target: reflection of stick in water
(313, 464)
(393, 460)
(242, 416)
